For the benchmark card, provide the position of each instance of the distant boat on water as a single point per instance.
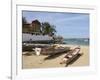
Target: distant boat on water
(86, 40)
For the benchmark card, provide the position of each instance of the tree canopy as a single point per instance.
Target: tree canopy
(49, 29)
(24, 21)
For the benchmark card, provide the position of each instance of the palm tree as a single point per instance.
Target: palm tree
(48, 29)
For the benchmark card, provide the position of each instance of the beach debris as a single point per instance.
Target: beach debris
(37, 51)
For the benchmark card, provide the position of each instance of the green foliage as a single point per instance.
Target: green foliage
(24, 21)
(49, 29)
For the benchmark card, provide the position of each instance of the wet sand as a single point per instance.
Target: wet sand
(34, 61)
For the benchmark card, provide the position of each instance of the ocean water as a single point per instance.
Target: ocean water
(77, 41)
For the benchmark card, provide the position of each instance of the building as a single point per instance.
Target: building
(32, 33)
(27, 37)
(34, 27)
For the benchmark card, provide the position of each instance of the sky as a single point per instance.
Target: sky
(68, 25)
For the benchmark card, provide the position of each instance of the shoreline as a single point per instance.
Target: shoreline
(30, 44)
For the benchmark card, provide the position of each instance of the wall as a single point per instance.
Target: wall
(28, 37)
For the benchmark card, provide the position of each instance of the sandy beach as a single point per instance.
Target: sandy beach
(33, 61)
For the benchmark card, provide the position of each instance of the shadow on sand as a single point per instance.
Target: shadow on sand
(55, 55)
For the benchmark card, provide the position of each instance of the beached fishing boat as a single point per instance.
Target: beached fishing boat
(46, 49)
(70, 56)
(54, 50)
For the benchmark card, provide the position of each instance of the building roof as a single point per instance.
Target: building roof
(36, 21)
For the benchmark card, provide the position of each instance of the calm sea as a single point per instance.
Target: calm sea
(77, 41)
